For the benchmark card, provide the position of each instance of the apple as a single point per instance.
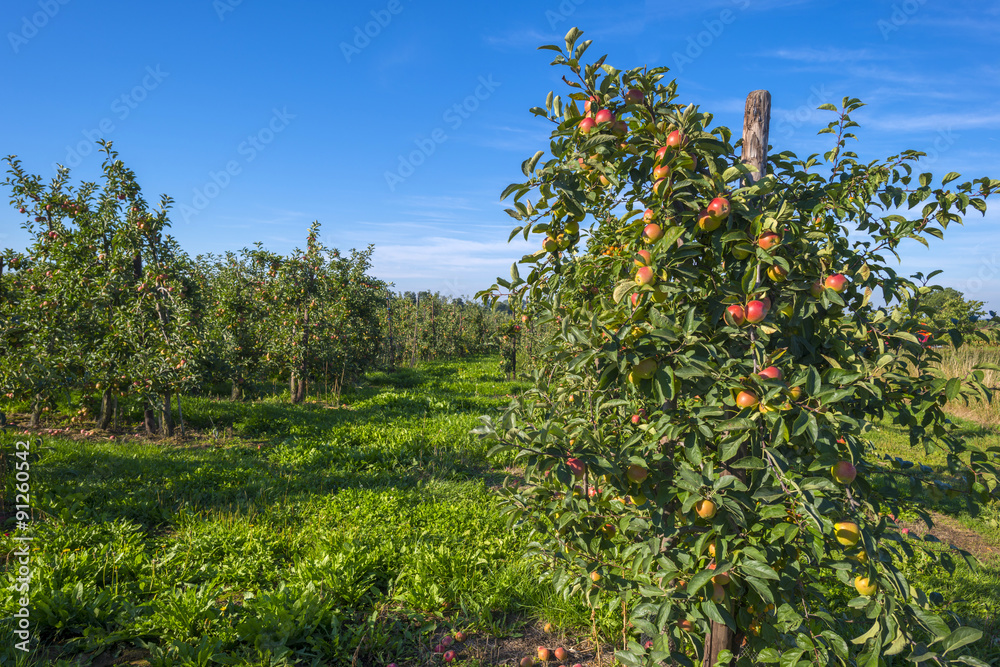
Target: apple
(843, 472)
(595, 576)
(633, 96)
(756, 311)
(591, 104)
(448, 656)
(742, 251)
(847, 533)
(685, 625)
(711, 549)
(771, 373)
(722, 578)
(550, 245)
(660, 295)
(543, 654)
(527, 661)
(718, 594)
(576, 466)
(777, 273)
(604, 116)
(795, 393)
(706, 222)
(736, 314)
(644, 258)
(619, 128)
(661, 171)
(609, 530)
(571, 227)
(660, 187)
(864, 586)
(645, 369)
(719, 207)
(652, 233)
(745, 399)
(768, 240)
(676, 139)
(645, 276)
(661, 153)
(460, 636)
(587, 125)
(816, 289)
(787, 310)
(636, 473)
(648, 215)
(635, 299)
(705, 508)
(446, 641)
(837, 282)
(638, 417)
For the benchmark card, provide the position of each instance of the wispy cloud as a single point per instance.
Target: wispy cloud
(827, 55)
(932, 122)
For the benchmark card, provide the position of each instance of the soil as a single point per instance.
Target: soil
(524, 642)
(950, 531)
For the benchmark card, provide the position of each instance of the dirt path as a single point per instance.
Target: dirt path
(950, 531)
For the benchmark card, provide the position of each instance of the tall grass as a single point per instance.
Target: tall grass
(962, 362)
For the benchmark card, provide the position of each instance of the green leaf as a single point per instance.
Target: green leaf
(874, 630)
(959, 637)
(758, 569)
(837, 643)
(949, 177)
(827, 107)
(750, 463)
(953, 389)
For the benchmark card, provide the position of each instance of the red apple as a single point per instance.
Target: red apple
(619, 128)
(736, 313)
(648, 215)
(719, 207)
(722, 578)
(685, 625)
(768, 240)
(777, 273)
(837, 282)
(756, 311)
(576, 467)
(661, 153)
(446, 641)
(660, 186)
(661, 171)
(527, 661)
(644, 258)
(591, 104)
(604, 116)
(448, 656)
(676, 139)
(745, 399)
(587, 125)
(771, 372)
(645, 276)
(652, 233)
(633, 96)
(844, 472)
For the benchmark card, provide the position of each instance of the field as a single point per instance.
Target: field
(353, 529)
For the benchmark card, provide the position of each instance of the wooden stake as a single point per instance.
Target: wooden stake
(756, 123)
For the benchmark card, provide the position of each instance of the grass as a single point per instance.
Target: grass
(350, 533)
(318, 534)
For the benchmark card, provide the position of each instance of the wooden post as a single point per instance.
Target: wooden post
(756, 122)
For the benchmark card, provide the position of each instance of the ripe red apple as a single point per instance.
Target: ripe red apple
(645, 276)
(587, 125)
(676, 139)
(816, 289)
(661, 153)
(591, 104)
(619, 128)
(635, 299)
(652, 233)
(719, 207)
(705, 508)
(844, 472)
(756, 311)
(736, 314)
(644, 258)
(448, 656)
(660, 187)
(837, 282)
(771, 372)
(527, 661)
(661, 171)
(685, 625)
(745, 399)
(633, 96)
(636, 473)
(768, 240)
(446, 641)
(604, 116)
(576, 467)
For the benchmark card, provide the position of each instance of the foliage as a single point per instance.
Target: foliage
(948, 309)
(687, 487)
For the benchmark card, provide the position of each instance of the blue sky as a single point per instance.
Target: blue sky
(258, 117)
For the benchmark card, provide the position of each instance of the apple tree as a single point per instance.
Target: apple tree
(694, 447)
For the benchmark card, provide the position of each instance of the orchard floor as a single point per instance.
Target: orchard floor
(356, 531)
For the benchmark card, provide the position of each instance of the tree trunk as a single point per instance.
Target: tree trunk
(237, 392)
(36, 412)
(107, 410)
(149, 419)
(166, 417)
(299, 384)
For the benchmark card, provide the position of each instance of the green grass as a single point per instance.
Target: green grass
(362, 530)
